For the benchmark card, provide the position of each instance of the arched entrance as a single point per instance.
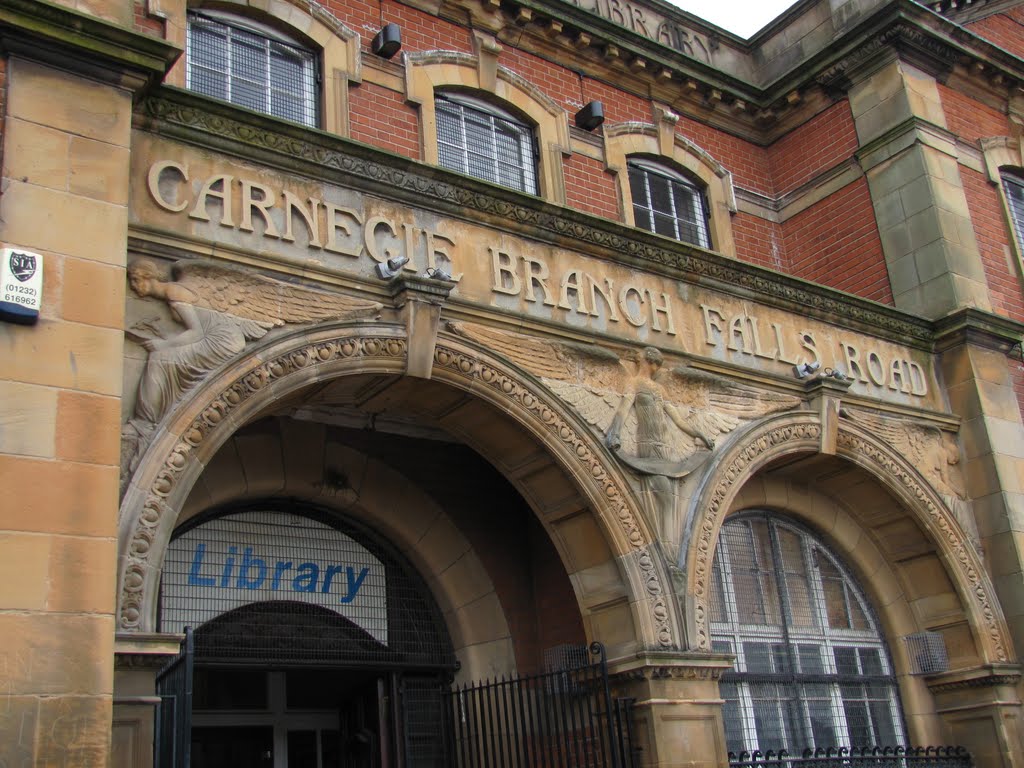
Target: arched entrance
(573, 485)
(328, 419)
(316, 643)
(918, 567)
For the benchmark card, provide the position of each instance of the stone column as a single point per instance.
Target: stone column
(911, 164)
(978, 382)
(677, 708)
(70, 84)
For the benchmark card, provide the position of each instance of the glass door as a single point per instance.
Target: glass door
(252, 718)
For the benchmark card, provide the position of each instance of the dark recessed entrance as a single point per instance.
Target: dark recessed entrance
(316, 645)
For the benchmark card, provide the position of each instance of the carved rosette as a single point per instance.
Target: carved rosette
(154, 511)
(805, 435)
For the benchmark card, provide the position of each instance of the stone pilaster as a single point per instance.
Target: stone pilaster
(974, 348)
(910, 160)
(70, 85)
(677, 708)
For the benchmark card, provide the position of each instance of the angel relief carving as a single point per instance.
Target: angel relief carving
(221, 309)
(661, 423)
(934, 453)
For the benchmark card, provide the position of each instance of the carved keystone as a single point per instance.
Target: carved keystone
(825, 395)
(420, 299)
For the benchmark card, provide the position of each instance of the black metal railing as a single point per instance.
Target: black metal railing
(559, 719)
(174, 714)
(864, 757)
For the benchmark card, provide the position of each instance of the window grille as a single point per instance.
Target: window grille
(668, 204)
(811, 669)
(252, 68)
(480, 140)
(1014, 188)
(278, 628)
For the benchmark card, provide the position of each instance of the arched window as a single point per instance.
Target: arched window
(1013, 186)
(668, 203)
(811, 668)
(478, 139)
(251, 65)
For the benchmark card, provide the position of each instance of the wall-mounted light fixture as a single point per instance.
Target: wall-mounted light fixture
(804, 370)
(591, 116)
(391, 267)
(388, 41)
(438, 273)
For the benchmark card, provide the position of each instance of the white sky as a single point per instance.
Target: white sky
(741, 17)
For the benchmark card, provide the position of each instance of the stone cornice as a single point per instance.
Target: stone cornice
(982, 677)
(695, 81)
(973, 326)
(193, 119)
(83, 44)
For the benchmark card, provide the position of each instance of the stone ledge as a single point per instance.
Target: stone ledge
(83, 44)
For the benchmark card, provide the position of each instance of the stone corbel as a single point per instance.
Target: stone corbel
(825, 395)
(487, 51)
(419, 300)
(666, 120)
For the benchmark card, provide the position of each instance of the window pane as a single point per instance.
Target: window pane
(638, 189)
(251, 70)
(1015, 196)
(858, 723)
(835, 593)
(732, 717)
(810, 659)
(797, 586)
(768, 718)
(846, 661)
(818, 693)
(667, 205)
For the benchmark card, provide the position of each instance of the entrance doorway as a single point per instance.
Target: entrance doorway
(316, 645)
(245, 718)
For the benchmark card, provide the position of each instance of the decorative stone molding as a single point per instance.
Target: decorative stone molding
(186, 116)
(427, 72)
(660, 141)
(989, 676)
(800, 433)
(83, 43)
(213, 411)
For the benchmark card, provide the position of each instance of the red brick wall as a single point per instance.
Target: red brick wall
(747, 162)
(994, 238)
(420, 31)
(813, 148)
(381, 117)
(970, 119)
(758, 241)
(1017, 372)
(591, 188)
(619, 107)
(836, 243)
(1005, 30)
(147, 25)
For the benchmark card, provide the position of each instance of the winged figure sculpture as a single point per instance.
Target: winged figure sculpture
(934, 453)
(657, 420)
(220, 309)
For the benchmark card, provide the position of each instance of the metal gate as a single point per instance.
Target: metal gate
(174, 714)
(565, 718)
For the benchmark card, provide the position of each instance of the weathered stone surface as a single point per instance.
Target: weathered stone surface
(66, 497)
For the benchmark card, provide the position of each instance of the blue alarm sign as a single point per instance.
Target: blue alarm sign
(21, 285)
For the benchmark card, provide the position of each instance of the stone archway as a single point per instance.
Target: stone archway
(247, 388)
(793, 434)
